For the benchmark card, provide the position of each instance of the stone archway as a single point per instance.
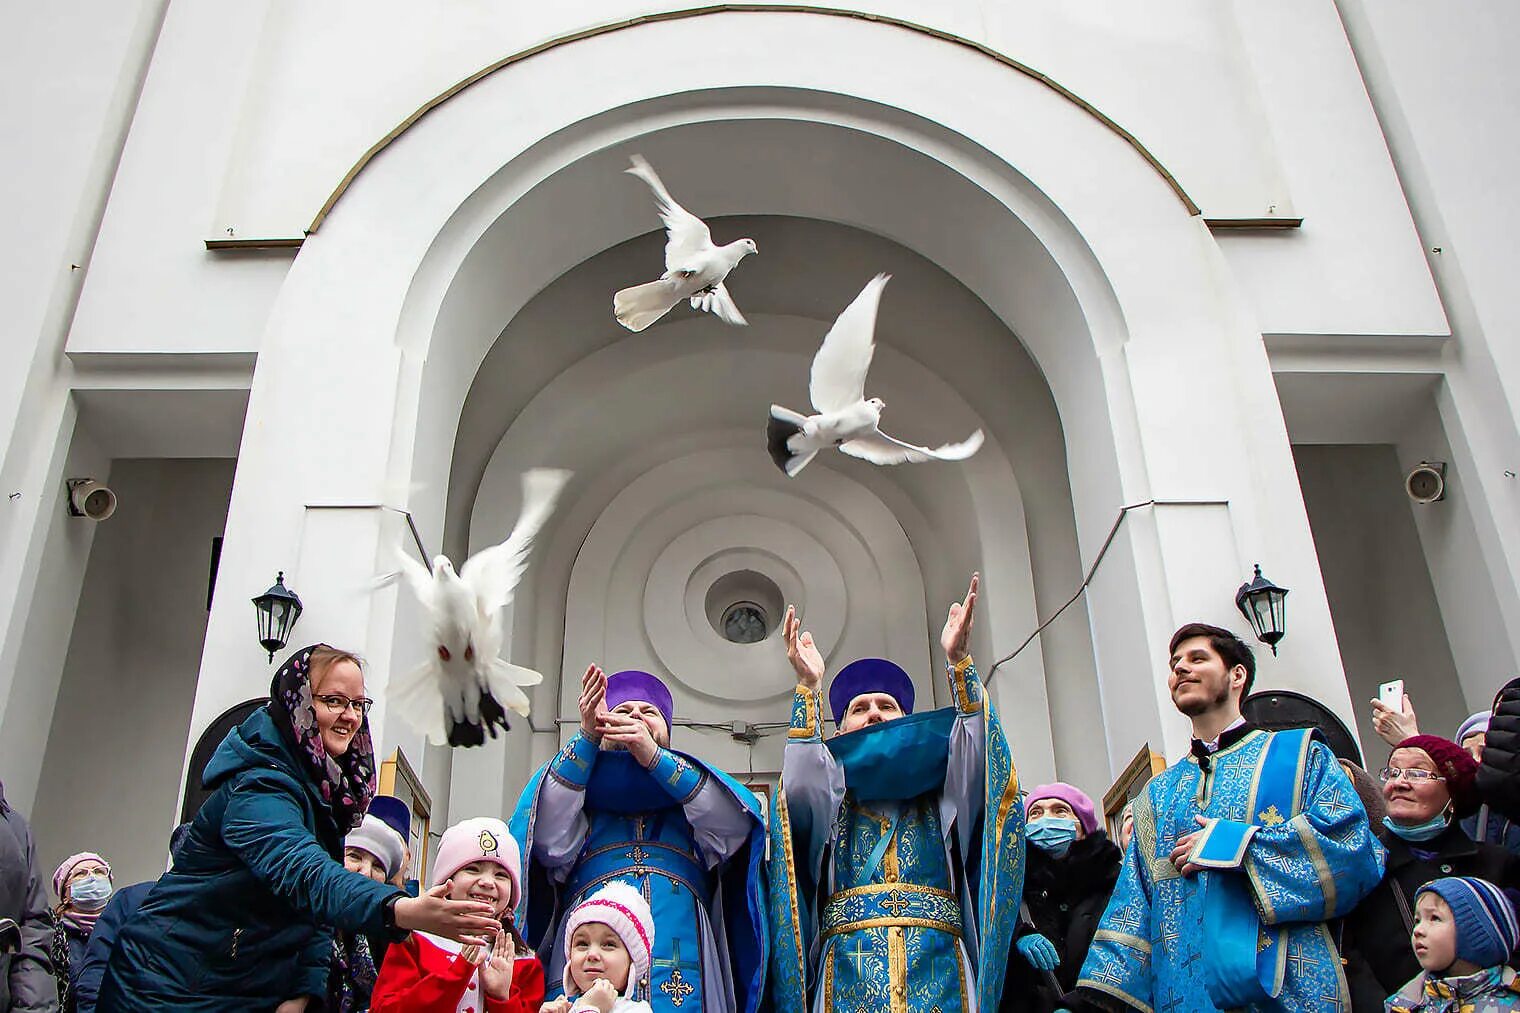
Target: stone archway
(1054, 223)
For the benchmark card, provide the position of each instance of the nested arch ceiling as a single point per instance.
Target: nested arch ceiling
(564, 385)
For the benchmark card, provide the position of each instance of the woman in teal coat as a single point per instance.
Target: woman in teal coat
(243, 920)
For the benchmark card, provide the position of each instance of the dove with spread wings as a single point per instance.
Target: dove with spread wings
(464, 688)
(694, 268)
(845, 417)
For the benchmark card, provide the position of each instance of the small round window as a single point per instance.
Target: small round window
(744, 622)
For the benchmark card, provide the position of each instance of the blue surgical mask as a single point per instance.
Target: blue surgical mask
(90, 893)
(1420, 831)
(1052, 835)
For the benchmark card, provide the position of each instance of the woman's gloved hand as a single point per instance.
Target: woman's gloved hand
(1039, 952)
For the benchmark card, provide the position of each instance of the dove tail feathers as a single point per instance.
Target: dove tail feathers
(469, 733)
(782, 425)
(638, 307)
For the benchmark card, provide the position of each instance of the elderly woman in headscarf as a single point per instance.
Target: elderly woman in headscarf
(1071, 870)
(244, 918)
(83, 885)
(1428, 786)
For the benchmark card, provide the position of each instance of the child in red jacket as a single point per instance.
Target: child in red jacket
(477, 860)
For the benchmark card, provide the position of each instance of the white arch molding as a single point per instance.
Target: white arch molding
(1081, 251)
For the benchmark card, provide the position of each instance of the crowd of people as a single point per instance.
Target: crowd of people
(898, 866)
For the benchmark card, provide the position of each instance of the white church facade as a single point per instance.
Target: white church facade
(1212, 278)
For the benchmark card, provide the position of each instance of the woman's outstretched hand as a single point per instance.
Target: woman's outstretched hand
(464, 921)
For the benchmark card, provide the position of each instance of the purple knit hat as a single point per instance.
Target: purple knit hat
(870, 675)
(635, 685)
(1087, 813)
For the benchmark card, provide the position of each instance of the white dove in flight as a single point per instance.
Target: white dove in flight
(694, 267)
(846, 418)
(457, 695)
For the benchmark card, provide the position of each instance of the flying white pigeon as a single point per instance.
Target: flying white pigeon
(456, 696)
(846, 418)
(694, 267)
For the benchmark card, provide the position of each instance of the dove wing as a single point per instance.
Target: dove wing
(416, 577)
(687, 236)
(724, 309)
(417, 695)
(879, 448)
(492, 574)
(839, 369)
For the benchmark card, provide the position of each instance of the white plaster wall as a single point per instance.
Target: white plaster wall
(156, 288)
(36, 639)
(1387, 617)
(70, 78)
(333, 78)
(1403, 413)
(109, 784)
(1449, 83)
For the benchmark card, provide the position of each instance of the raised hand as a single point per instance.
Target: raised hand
(593, 693)
(464, 921)
(804, 655)
(956, 636)
(1394, 726)
(496, 973)
(631, 734)
(601, 994)
(560, 1005)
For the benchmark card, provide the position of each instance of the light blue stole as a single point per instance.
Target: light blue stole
(1246, 960)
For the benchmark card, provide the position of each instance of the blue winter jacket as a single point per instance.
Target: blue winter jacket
(88, 972)
(242, 921)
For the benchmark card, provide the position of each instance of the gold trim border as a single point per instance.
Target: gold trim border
(893, 923)
(875, 888)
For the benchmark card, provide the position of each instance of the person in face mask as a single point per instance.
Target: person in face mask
(1428, 787)
(1071, 870)
(83, 884)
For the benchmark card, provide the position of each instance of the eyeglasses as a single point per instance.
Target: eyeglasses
(337, 704)
(1413, 776)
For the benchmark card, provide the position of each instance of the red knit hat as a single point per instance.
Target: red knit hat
(1453, 763)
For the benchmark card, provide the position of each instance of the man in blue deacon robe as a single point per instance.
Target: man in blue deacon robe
(1241, 853)
(897, 848)
(618, 803)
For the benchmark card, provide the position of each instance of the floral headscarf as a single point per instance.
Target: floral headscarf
(346, 783)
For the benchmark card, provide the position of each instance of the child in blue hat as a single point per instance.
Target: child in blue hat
(1464, 932)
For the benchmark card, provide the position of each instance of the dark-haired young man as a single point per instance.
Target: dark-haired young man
(1241, 852)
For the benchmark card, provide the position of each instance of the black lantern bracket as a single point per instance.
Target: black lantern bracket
(277, 609)
(1263, 604)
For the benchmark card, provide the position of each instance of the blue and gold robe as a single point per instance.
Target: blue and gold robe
(897, 861)
(685, 834)
(1287, 847)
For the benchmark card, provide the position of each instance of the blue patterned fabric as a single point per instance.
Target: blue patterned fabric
(638, 832)
(891, 935)
(1300, 867)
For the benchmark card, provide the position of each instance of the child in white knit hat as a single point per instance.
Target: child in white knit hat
(371, 849)
(609, 939)
(478, 860)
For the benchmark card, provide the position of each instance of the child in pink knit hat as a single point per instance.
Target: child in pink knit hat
(478, 860)
(609, 940)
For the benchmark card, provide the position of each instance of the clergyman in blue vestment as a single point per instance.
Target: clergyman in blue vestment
(897, 849)
(1241, 853)
(619, 803)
